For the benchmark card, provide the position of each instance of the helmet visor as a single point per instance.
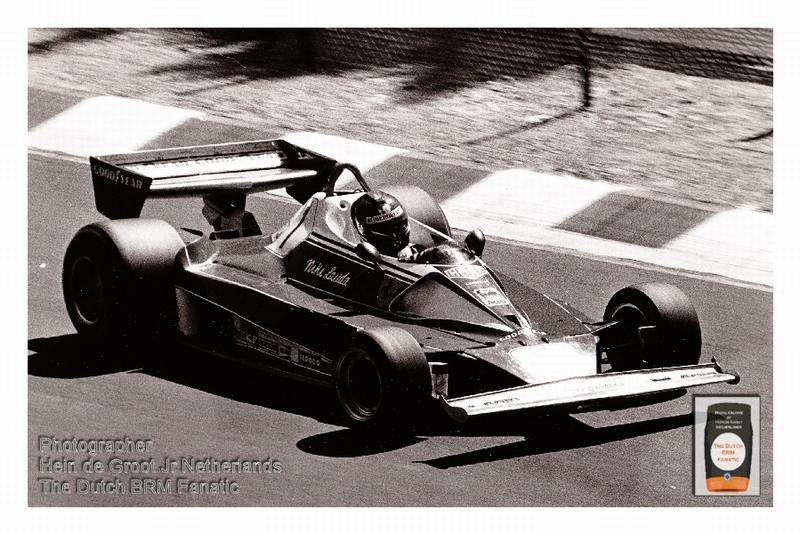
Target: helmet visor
(389, 238)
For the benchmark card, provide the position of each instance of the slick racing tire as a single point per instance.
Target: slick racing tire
(382, 378)
(118, 280)
(422, 207)
(658, 327)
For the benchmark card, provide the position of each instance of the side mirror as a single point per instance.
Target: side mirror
(475, 242)
(367, 251)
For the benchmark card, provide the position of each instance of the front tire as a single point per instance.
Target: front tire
(382, 377)
(657, 327)
(118, 280)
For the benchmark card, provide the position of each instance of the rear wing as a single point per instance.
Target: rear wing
(122, 182)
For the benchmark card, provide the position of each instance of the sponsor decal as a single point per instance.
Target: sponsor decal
(250, 335)
(234, 163)
(470, 272)
(117, 177)
(383, 217)
(309, 360)
(321, 270)
(493, 402)
(592, 386)
(386, 292)
(491, 296)
(501, 401)
(698, 374)
(517, 333)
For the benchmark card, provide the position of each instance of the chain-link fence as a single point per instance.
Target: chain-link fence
(741, 54)
(453, 57)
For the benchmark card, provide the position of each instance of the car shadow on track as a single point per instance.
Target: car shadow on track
(542, 433)
(67, 357)
(559, 433)
(350, 443)
(70, 357)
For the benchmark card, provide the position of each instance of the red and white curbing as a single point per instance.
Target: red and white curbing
(106, 125)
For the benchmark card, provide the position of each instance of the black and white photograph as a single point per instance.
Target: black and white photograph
(398, 266)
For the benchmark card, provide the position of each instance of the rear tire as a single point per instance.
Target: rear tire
(658, 327)
(382, 378)
(118, 280)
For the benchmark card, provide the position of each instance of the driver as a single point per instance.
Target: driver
(382, 220)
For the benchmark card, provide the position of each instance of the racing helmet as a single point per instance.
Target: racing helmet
(382, 221)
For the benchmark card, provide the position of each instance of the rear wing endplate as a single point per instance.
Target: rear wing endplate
(588, 392)
(122, 182)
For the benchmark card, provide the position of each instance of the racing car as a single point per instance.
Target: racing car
(316, 300)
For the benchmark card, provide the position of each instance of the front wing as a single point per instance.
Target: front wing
(587, 390)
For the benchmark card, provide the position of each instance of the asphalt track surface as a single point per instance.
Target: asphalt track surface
(193, 406)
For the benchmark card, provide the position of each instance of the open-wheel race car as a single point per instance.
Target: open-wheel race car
(318, 301)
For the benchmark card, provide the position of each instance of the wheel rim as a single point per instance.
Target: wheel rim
(359, 385)
(629, 356)
(630, 316)
(86, 289)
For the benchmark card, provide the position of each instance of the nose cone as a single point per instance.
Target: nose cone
(565, 358)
